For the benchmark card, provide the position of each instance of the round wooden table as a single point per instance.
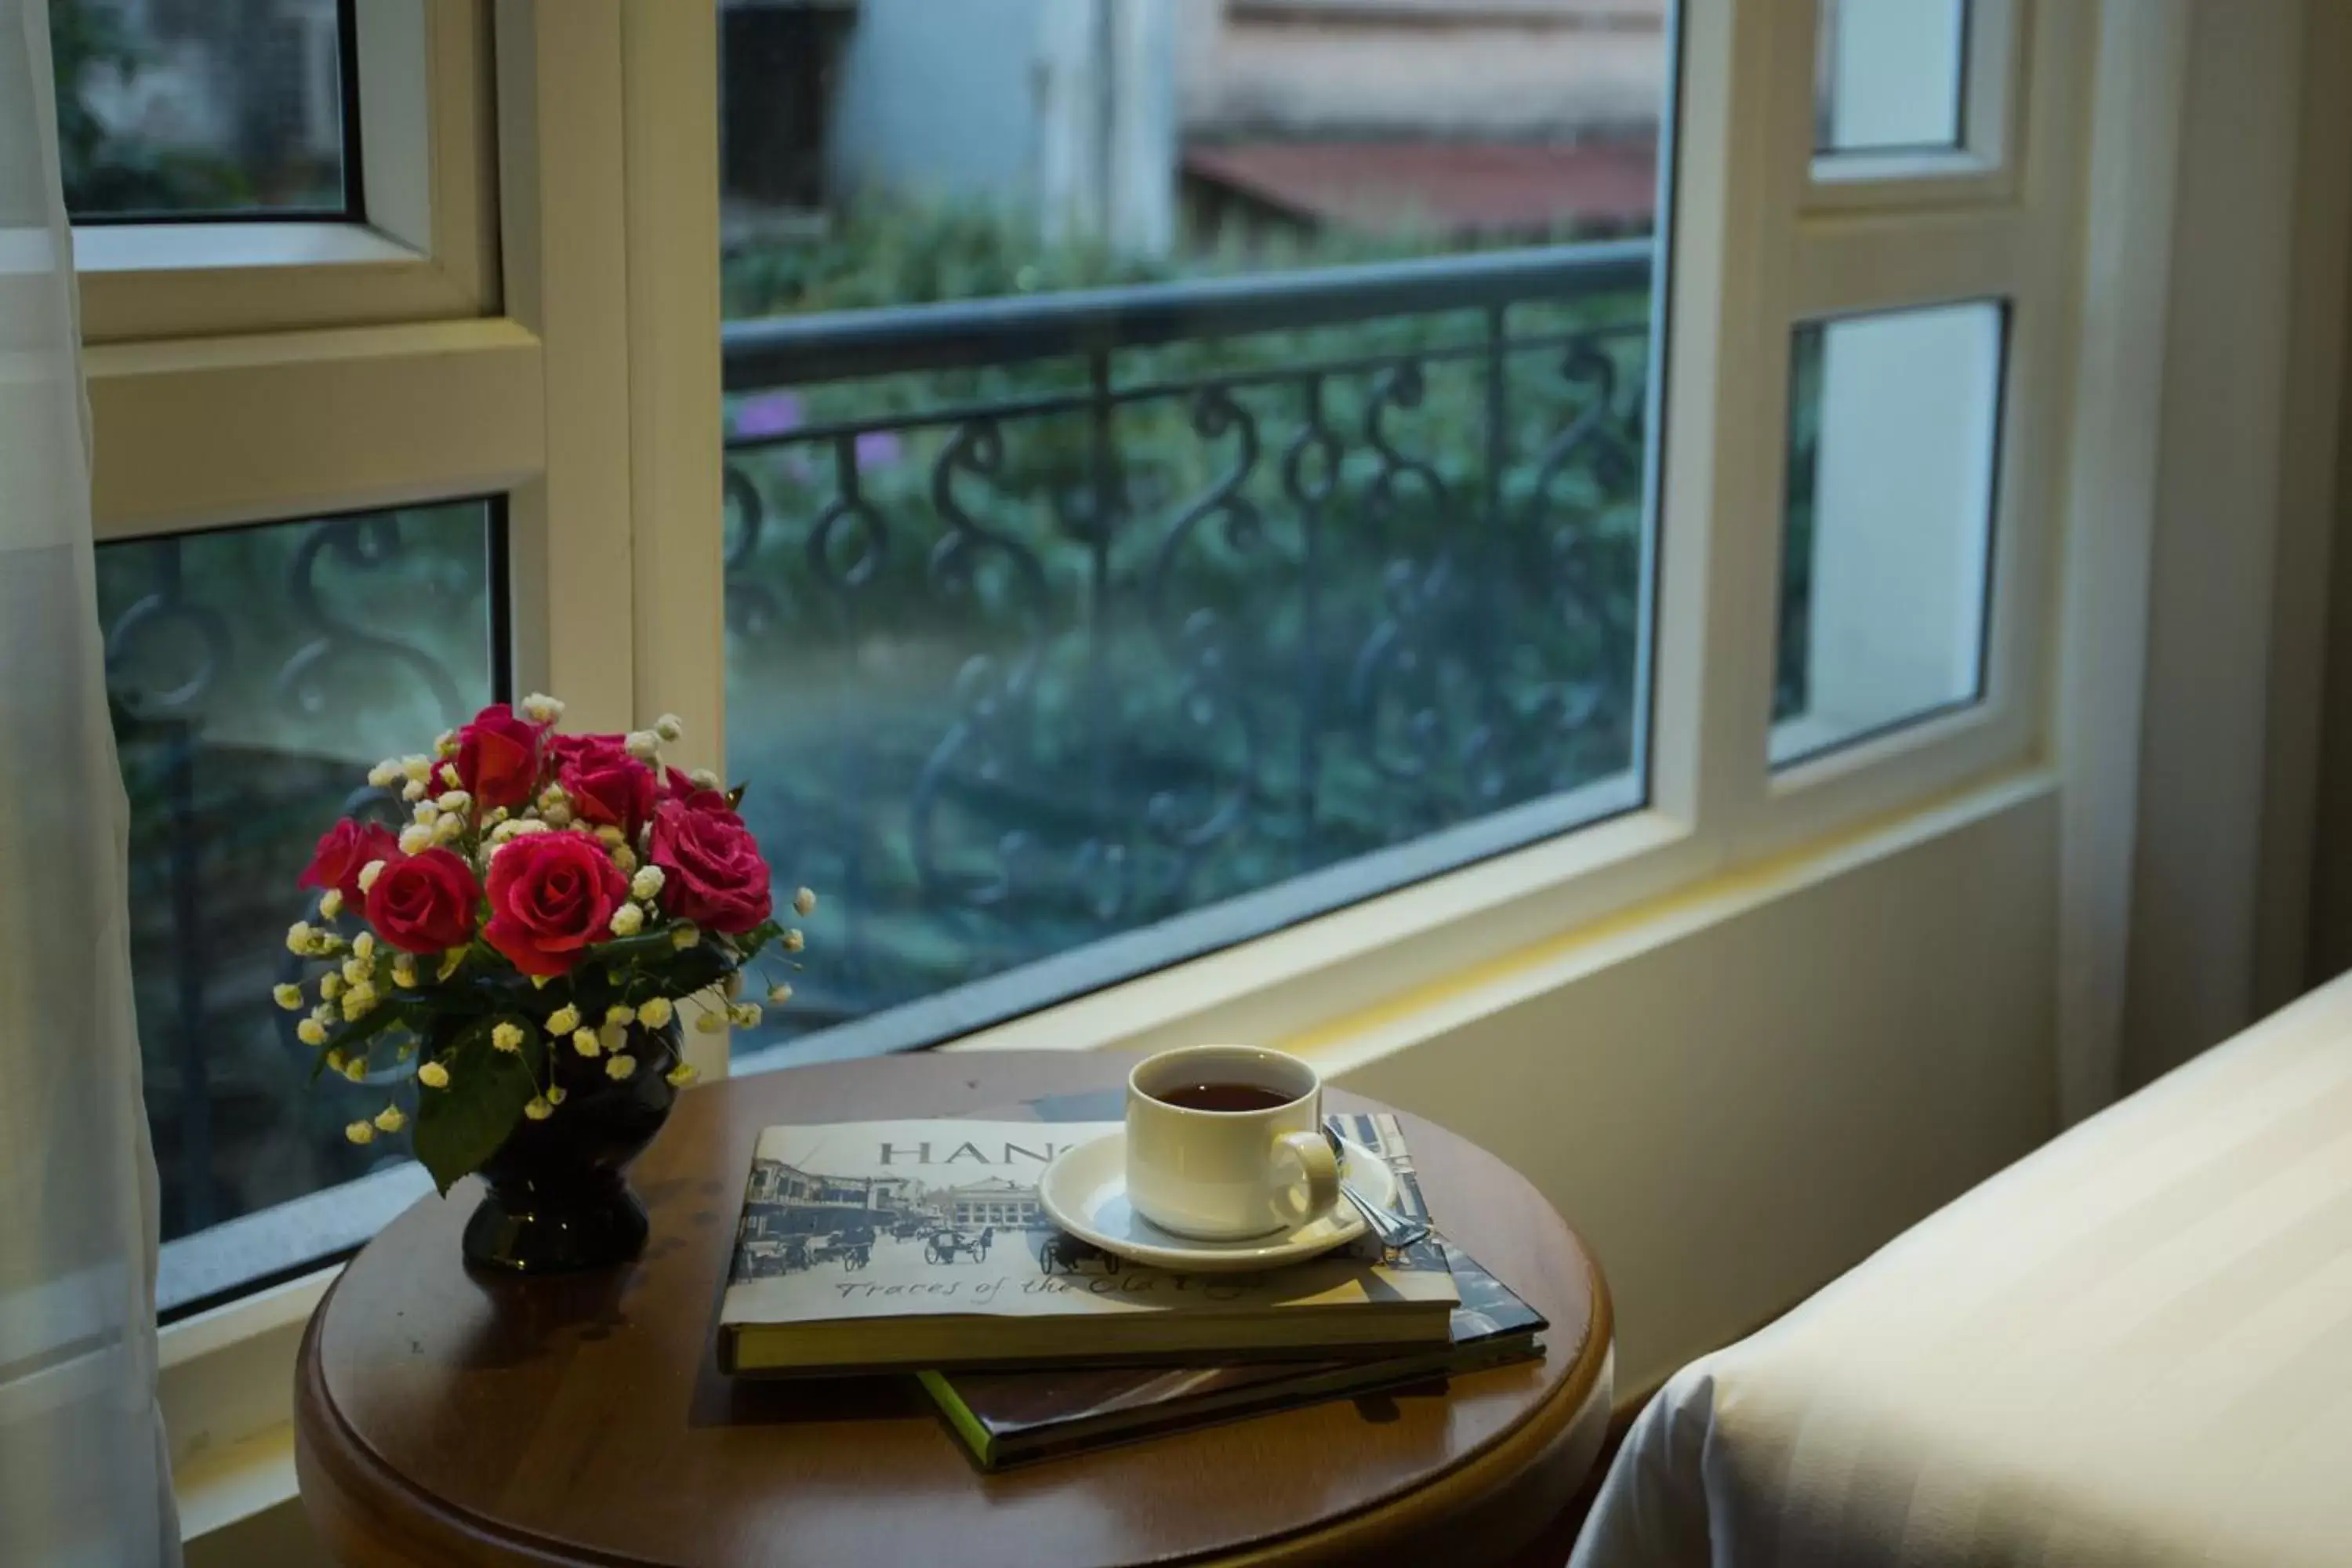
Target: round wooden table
(446, 1418)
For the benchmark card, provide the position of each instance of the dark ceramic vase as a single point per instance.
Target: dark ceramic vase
(559, 1198)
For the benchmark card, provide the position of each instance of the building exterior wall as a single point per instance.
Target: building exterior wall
(1335, 69)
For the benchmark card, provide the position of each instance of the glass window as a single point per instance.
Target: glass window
(1887, 547)
(1304, 553)
(255, 675)
(210, 108)
(1891, 76)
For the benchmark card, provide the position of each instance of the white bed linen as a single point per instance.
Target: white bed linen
(2133, 1347)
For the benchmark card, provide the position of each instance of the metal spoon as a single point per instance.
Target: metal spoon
(1395, 1230)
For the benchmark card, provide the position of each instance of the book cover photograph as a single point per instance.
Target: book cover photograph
(922, 1243)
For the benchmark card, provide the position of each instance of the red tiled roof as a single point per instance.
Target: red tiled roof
(1456, 187)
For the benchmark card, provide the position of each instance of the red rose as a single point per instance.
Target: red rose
(564, 749)
(552, 894)
(711, 870)
(344, 853)
(497, 757)
(680, 788)
(607, 785)
(425, 903)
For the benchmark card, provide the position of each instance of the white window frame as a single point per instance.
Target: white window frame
(585, 382)
(427, 248)
(489, 356)
(1981, 168)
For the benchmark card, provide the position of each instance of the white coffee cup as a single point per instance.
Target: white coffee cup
(1231, 1163)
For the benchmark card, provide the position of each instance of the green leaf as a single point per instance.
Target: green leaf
(459, 1127)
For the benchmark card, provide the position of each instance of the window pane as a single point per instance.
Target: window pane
(182, 107)
(1068, 635)
(895, 151)
(255, 675)
(1890, 75)
(1894, 423)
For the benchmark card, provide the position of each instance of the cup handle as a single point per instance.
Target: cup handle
(1322, 1168)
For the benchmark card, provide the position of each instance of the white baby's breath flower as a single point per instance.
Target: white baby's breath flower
(358, 1003)
(643, 744)
(620, 1014)
(710, 1023)
(433, 1075)
(564, 1020)
(363, 945)
(330, 902)
(620, 1067)
(357, 971)
(804, 902)
(585, 1042)
(779, 993)
(541, 708)
(355, 1069)
(744, 1014)
(646, 884)
(390, 1120)
(505, 1037)
(403, 970)
(628, 921)
(681, 1075)
(287, 995)
(428, 812)
(703, 778)
(310, 1032)
(450, 775)
(556, 1094)
(454, 800)
(413, 790)
(445, 744)
(415, 840)
(611, 836)
(556, 815)
(326, 1013)
(496, 815)
(361, 1132)
(450, 828)
(537, 1110)
(368, 874)
(655, 1014)
(793, 941)
(625, 860)
(384, 772)
(331, 987)
(553, 794)
(685, 936)
(416, 768)
(297, 937)
(669, 726)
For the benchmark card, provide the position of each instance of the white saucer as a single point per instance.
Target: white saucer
(1084, 1191)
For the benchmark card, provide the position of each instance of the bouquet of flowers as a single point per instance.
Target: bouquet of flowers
(525, 942)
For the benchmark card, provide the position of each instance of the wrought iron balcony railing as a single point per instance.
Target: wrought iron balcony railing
(1056, 616)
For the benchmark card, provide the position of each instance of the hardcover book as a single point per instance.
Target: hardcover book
(911, 1245)
(1013, 1417)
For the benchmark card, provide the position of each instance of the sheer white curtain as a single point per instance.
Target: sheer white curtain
(83, 1477)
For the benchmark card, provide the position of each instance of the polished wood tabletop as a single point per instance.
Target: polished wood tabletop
(444, 1417)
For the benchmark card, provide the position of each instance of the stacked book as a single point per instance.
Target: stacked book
(919, 1247)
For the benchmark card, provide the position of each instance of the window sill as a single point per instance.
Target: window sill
(227, 1378)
